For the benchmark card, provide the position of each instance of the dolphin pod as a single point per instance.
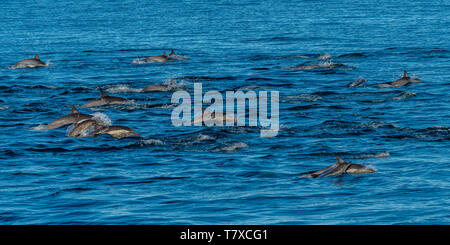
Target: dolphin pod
(339, 168)
(86, 125)
(84, 128)
(28, 63)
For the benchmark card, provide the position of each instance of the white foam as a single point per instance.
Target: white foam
(123, 88)
(325, 56)
(139, 61)
(102, 118)
(327, 64)
(40, 127)
(167, 106)
(152, 142)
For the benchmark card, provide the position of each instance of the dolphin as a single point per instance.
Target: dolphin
(71, 118)
(302, 67)
(219, 117)
(28, 63)
(357, 83)
(85, 128)
(105, 100)
(160, 87)
(324, 65)
(158, 58)
(117, 132)
(403, 81)
(340, 167)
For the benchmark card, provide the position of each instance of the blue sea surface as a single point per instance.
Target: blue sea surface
(227, 175)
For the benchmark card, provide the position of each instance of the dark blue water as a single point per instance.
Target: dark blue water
(227, 175)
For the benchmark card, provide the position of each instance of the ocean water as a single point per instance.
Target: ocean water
(227, 175)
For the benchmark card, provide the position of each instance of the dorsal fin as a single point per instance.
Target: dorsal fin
(103, 93)
(340, 160)
(74, 110)
(405, 74)
(172, 52)
(36, 56)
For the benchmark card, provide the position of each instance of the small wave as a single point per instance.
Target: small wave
(324, 56)
(302, 107)
(41, 87)
(373, 155)
(375, 125)
(401, 96)
(352, 55)
(338, 124)
(229, 78)
(435, 133)
(75, 189)
(305, 97)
